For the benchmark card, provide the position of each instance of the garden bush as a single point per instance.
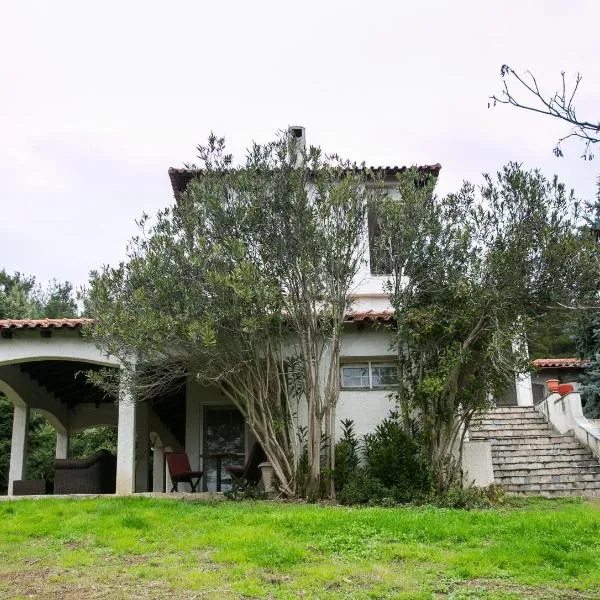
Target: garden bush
(395, 457)
(393, 467)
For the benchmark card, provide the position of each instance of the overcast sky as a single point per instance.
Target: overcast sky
(97, 100)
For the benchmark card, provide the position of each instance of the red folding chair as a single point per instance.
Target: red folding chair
(180, 470)
(249, 473)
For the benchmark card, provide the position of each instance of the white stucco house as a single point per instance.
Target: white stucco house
(41, 364)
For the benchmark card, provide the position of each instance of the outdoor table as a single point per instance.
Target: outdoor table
(219, 456)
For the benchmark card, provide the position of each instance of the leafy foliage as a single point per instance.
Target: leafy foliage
(395, 457)
(470, 271)
(590, 379)
(249, 270)
(346, 455)
(86, 442)
(588, 330)
(470, 497)
(22, 298)
(388, 467)
(554, 335)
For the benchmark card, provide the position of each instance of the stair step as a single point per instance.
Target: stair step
(509, 432)
(567, 492)
(512, 424)
(538, 437)
(529, 478)
(582, 487)
(532, 416)
(540, 468)
(515, 410)
(530, 457)
(542, 462)
(537, 445)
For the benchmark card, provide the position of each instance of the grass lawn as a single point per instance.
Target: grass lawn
(158, 548)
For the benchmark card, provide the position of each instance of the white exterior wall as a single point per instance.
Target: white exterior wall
(27, 345)
(478, 469)
(365, 407)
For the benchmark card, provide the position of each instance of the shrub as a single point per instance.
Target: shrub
(346, 456)
(395, 457)
(470, 497)
(362, 488)
(247, 492)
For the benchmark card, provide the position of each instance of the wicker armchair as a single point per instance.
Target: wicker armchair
(95, 474)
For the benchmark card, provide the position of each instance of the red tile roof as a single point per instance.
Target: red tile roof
(559, 363)
(43, 323)
(384, 316)
(180, 177)
(351, 317)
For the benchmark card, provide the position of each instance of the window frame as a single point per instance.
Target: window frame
(369, 364)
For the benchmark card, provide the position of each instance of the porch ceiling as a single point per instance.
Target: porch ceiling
(67, 381)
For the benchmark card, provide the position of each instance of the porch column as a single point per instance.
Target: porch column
(524, 390)
(158, 466)
(142, 448)
(126, 442)
(168, 482)
(18, 447)
(62, 443)
(192, 425)
(523, 387)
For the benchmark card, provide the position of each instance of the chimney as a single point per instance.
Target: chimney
(297, 143)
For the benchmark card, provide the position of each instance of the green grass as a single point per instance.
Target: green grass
(151, 548)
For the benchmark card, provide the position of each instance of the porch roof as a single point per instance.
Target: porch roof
(43, 323)
(350, 317)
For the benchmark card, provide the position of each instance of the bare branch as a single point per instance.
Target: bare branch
(556, 105)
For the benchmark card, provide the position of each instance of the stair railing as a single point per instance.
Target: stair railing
(565, 414)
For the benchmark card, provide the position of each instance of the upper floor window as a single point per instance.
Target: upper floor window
(369, 375)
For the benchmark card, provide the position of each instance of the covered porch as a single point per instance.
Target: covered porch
(42, 368)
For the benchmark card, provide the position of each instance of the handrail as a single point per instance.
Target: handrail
(545, 413)
(570, 418)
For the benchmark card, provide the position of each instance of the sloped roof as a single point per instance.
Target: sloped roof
(560, 363)
(180, 177)
(43, 323)
(351, 317)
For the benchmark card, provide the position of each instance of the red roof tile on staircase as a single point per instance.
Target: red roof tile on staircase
(559, 363)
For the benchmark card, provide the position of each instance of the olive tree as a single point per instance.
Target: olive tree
(468, 271)
(244, 284)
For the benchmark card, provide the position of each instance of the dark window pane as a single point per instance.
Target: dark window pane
(384, 375)
(224, 433)
(356, 376)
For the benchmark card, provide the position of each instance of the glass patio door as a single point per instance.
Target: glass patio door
(224, 444)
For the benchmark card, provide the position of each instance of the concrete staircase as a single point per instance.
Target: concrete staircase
(531, 458)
